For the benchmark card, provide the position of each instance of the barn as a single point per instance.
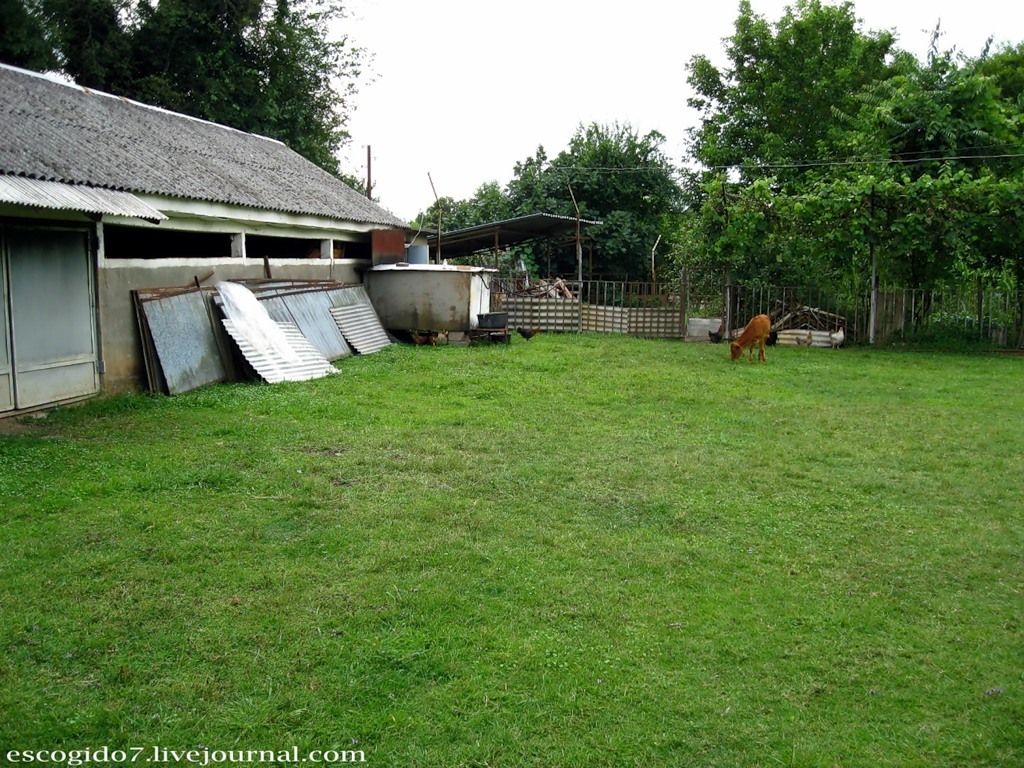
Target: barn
(100, 196)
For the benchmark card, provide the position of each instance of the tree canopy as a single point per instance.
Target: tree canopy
(821, 146)
(264, 66)
(608, 173)
(771, 110)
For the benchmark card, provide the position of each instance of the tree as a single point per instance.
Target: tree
(893, 168)
(942, 114)
(614, 175)
(488, 204)
(22, 42)
(772, 110)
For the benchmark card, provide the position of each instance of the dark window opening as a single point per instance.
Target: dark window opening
(139, 243)
(263, 247)
(354, 250)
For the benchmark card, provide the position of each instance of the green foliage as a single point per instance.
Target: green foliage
(622, 179)
(21, 38)
(488, 204)
(773, 105)
(936, 115)
(812, 177)
(609, 174)
(265, 66)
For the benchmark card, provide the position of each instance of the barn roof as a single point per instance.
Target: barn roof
(53, 131)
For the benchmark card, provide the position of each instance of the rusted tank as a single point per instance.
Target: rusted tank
(435, 297)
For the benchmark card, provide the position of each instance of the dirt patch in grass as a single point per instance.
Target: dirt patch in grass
(33, 424)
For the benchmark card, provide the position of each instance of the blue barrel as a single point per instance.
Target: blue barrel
(417, 254)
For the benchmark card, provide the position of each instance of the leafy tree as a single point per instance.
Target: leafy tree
(22, 42)
(611, 173)
(90, 41)
(907, 164)
(488, 204)
(306, 80)
(1006, 68)
(771, 111)
(614, 175)
(942, 114)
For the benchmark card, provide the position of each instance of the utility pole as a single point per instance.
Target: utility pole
(369, 175)
(437, 204)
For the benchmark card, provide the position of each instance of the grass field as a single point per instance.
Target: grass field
(572, 551)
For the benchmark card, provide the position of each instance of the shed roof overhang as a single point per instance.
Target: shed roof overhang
(501, 234)
(54, 195)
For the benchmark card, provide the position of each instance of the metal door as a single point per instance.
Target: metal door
(52, 319)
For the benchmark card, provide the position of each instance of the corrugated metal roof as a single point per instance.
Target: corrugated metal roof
(460, 242)
(65, 197)
(272, 367)
(310, 312)
(58, 132)
(361, 327)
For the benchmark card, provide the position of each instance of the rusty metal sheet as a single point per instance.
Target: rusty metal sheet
(310, 311)
(186, 346)
(361, 328)
(273, 368)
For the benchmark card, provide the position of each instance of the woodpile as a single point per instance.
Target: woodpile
(547, 289)
(807, 318)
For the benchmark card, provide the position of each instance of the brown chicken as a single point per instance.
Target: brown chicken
(527, 333)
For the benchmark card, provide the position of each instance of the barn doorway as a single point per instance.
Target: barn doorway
(48, 348)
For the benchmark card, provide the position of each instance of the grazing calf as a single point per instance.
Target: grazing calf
(756, 332)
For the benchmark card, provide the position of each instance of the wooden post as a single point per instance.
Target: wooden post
(684, 299)
(873, 317)
(579, 256)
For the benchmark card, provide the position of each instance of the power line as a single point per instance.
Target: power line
(854, 162)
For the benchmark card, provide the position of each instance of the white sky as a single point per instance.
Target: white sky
(463, 89)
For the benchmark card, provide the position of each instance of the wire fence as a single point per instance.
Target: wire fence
(698, 301)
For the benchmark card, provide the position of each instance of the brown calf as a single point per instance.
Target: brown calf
(756, 332)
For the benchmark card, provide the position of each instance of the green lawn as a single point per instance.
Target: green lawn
(572, 551)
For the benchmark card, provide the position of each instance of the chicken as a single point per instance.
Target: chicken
(426, 338)
(807, 340)
(717, 336)
(527, 333)
(837, 338)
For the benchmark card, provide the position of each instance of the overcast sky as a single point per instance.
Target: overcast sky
(463, 89)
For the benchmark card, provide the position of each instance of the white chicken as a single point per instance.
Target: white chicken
(837, 338)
